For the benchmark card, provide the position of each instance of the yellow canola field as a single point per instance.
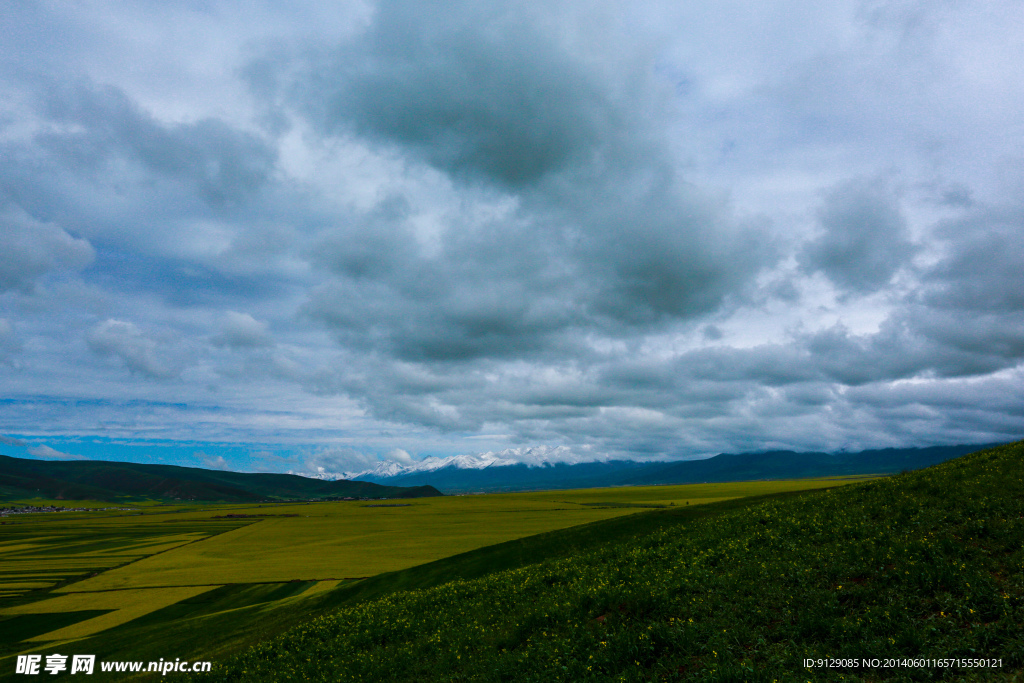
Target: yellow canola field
(692, 494)
(344, 540)
(126, 605)
(40, 550)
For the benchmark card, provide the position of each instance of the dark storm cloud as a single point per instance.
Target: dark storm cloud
(477, 90)
(912, 343)
(864, 238)
(30, 248)
(603, 243)
(908, 345)
(467, 303)
(967, 317)
(603, 236)
(134, 204)
(530, 285)
(102, 126)
(988, 406)
(672, 231)
(981, 270)
(142, 196)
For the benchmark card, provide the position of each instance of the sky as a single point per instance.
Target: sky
(312, 236)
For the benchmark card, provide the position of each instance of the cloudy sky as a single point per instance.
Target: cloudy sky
(281, 236)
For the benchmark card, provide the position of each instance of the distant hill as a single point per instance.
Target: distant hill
(518, 477)
(100, 480)
(790, 464)
(454, 478)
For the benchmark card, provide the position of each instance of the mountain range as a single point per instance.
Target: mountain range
(22, 479)
(495, 472)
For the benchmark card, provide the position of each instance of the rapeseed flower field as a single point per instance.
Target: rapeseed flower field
(923, 566)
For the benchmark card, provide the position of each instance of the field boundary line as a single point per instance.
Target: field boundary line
(59, 589)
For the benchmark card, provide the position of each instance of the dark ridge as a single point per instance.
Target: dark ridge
(720, 468)
(100, 480)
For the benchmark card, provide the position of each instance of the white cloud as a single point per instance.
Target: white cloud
(125, 341)
(212, 462)
(30, 248)
(400, 456)
(241, 330)
(51, 454)
(368, 230)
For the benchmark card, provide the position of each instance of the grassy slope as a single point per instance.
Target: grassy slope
(226, 620)
(927, 564)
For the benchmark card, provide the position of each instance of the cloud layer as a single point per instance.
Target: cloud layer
(385, 231)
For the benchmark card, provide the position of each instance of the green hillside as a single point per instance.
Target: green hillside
(22, 479)
(205, 581)
(916, 569)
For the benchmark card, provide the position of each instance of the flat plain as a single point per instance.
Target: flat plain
(99, 578)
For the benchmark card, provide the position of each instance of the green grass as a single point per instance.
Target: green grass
(349, 540)
(271, 560)
(120, 606)
(344, 540)
(222, 621)
(683, 494)
(923, 565)
(44, 551)
(25, 627)
(210, 623)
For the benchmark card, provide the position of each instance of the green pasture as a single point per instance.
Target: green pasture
(917, 577)
(348, 540)
(354, 539)
(41, 551)
(62, 503)
(120, 607)
(684, 494)
(190, 579)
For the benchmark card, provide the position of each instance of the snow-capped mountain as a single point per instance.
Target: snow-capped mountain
(385, 468)
(478, 461)
(533, 469)
(560, 468)
(539, 456)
